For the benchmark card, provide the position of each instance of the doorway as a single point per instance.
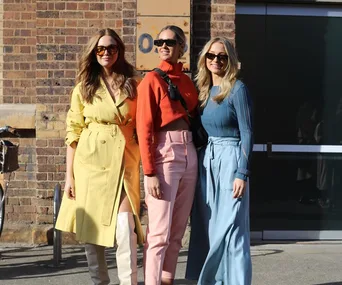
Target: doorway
(291, 61)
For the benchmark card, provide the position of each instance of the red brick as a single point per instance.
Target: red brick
(46, 185)
(24, 201)
(71, 6)
(71, 15)
(42, 6)
(97, 6)
(51, 5)
(25, 49)
(83, 6)
(41, 176)
(129, 5)
(91, 15)
(47, 14)
(27, 16)
(127, 14)
(59, 23)
(60, 6)
(223, 17)
(71, 23)
(46, 151)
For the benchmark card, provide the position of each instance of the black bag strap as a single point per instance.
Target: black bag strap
(163, 75)
(171, 86)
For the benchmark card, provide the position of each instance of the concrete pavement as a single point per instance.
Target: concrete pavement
(297, 263)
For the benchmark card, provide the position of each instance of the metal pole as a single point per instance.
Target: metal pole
(57, 240)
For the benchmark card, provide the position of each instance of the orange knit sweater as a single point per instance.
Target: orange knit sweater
(155, 109)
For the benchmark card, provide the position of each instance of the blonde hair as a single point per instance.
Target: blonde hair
(180, 37)
(90, 71)
(203, 77)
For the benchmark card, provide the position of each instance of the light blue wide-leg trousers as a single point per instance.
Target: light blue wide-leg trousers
(219, 250)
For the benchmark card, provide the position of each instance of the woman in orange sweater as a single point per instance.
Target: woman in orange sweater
(168, 155)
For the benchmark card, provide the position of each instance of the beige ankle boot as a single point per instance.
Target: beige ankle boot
(97, 264)
(126, 253)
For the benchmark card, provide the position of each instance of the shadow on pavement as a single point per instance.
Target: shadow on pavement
(33, 262)
(38, 262)
(265, 242)
(264, 252)
(331, 283)
(13, 250)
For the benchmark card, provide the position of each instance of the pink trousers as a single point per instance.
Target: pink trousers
(176, 165)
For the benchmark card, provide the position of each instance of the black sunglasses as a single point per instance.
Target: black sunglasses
(220, 57)
(112, 49)
(168, 42)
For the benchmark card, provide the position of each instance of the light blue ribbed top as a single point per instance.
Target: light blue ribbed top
(232, 118)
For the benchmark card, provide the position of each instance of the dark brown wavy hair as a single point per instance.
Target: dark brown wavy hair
(90, 71)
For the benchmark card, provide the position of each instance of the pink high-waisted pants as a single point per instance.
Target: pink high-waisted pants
(176, 166)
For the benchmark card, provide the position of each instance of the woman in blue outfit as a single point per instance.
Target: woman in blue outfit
(219, 251)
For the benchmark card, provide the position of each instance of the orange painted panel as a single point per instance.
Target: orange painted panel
(163, 7)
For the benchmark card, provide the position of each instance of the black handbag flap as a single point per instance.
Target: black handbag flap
(8, 156)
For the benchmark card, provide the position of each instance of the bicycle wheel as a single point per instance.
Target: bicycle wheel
(2, 209)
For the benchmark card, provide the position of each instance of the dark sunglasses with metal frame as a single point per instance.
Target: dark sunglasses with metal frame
(112, 49)
(220, 57)
(168, 42)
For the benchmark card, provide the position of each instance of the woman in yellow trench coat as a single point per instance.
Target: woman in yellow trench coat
(102, 191)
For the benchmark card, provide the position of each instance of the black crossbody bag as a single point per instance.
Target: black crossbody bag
(199, 134)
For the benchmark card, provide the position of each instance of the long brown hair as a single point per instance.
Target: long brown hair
(90, 70)
(203, 76)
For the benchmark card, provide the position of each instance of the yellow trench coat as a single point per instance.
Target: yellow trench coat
(106, 160)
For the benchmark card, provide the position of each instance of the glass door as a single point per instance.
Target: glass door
(292, 64)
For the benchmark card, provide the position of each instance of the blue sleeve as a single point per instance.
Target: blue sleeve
(243, 106)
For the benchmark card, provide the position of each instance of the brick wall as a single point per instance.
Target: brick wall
(18, 64)
(19, 48)
(42, 41)
(210, 19)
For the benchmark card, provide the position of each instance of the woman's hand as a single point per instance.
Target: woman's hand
(239, 188)
(153, 187)
(69, 188)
